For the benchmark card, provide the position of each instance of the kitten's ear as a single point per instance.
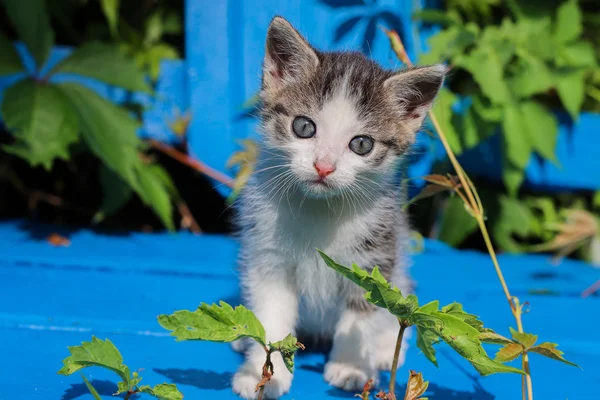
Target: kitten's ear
(288, 55)
(413, 91)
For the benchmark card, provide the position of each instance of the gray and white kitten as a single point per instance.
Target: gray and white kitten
(334, 127)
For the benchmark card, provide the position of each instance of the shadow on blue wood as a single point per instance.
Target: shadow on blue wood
(106, 286)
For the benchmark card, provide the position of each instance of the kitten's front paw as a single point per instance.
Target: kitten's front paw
(347, 376)
(245, 380)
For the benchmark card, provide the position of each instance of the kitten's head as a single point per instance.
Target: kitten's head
(338, 119)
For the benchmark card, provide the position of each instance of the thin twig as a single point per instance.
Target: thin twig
(190, 162)
(396, 356)
(591, 290)
(187, 218)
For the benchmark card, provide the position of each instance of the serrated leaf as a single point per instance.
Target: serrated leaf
(287, 347)
(568, 22)
(570, 85)
(91, 388)
(106, 63)
(509, 352)
(456, 310)
(415, 387)
(549, 350)
(42, 121)
(31, 21)
(10, 62)
(526, 339)
(97, 353)
(116, 193)
(216, 323)
(378, 291)
(457, 224)
(110, 8)
(163, 391)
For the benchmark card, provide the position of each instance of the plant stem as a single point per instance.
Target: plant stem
(475, 204)
(396, 356)
(261, 392)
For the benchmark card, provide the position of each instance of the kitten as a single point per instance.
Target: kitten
(334, 126)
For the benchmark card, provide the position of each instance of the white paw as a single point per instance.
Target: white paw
(245, 380)
(240, 345)
(347, 376)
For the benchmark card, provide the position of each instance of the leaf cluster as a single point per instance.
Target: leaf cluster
(450, 324)
(47, 114)
(510, 76)
(104, 354)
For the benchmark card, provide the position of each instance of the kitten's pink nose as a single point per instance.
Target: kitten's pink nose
(324, 168)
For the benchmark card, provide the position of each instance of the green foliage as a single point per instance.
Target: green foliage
(47, 118)
(30, 20)
(459, 329)
(457, 223)
(516, 63)
(92, 390)
(215, 323)
(103, 353)
(287, 347)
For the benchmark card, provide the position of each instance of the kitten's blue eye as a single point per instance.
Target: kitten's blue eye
(361, 145)
(304, 127)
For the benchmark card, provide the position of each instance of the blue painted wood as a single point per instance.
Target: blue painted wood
(577, 151)
(113, 286)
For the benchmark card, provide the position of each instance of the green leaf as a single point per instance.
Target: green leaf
(457, 223)
(493, 338)
(568, 22)
(442, 109)
(531, 76)
(97, 353)
(578, 54)
(155, 193)
(163, 391)
(549, 350)
(509, 352)
(512, 176)
(287, 347)
(42, 121)
(570, 85)
(515, 219)
(214, 323)
(10, 62)
(526, 339)
(449, 42)
(92, 389)
(516, 139)
(426, 338)
(30, 20)
(456, 310)
(106, 63)
(110, 8)
(378, 291)
(542, 128)
(116, 193)
(124, 387)
(486, 66)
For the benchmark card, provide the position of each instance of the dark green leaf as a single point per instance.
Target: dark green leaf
(155, 193)
(526, 339)
(287, 347)
(549, 350)
(42, 121)
(426, 338)
(570, 85)
(509, 352)
(163, 391)
(10, 62)
(92, 390)
(30, 20)
(97, 353)
(568, 22)
(457, 222)
(116, 193)
(378, 290)
(106, 63)
(214, 323)
(110, 8)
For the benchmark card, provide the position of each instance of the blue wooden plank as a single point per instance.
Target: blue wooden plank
(114, 286)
